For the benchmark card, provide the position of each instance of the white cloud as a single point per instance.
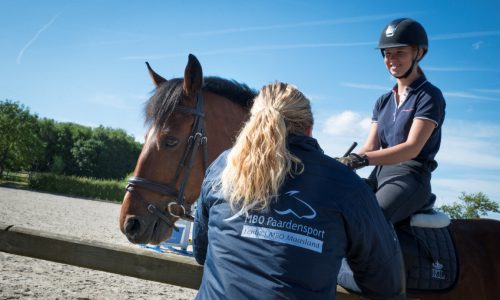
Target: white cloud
(468, 152)
(364, 86)
(466, 95)
(316, 97)
(459, 69)
(470, 129)
(347, 123)
(249, 49)
(349, 20)
(464, 144)
(463, 35)
(34, 38)
(467, 185)
(470, 144)
(337, 132)
(468, 158)
(487, 90)
(477, 45)
(472, 149)
(448, 190)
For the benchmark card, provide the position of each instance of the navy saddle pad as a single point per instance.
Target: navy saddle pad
(430, 259)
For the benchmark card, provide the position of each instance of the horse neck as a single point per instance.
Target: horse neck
(223, 121)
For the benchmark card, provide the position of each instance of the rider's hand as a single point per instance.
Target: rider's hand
(354, 161)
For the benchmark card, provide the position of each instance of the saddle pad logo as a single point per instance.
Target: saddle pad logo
(301, 211)
(437, 270)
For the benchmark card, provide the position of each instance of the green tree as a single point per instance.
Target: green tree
(57, 166)
(47, 132)
(69, 136)
(119, 153)
(107, 154)
(20, 146)
(86, 153)
(471, 206)
(44, 145)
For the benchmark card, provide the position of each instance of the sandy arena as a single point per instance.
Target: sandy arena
(28, 278)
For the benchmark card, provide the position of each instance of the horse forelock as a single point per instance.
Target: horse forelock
(164, 99)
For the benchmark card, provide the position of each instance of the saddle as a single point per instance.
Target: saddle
(429, 254)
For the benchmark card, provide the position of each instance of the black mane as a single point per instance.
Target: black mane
(162, 103)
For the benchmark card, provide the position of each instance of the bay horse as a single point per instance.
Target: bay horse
(194, 119)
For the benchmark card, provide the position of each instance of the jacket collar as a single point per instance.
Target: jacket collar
(303, 142)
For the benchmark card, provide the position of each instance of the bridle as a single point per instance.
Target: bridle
(196, 139)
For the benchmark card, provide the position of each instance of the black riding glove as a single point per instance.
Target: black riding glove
(354, 161)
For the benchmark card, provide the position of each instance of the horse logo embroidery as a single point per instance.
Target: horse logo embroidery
(307, 213)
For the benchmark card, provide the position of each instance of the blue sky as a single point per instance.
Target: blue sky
(83, 62)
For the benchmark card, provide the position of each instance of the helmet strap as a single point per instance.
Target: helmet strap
(413, 63)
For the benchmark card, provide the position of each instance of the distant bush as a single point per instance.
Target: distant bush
(470, 206)
(112, 190)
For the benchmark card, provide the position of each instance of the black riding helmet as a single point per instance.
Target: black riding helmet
(404, 32)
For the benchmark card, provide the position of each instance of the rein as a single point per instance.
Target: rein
(196, 139)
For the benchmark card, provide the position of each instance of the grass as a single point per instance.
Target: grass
(112, 190)
(17, 180)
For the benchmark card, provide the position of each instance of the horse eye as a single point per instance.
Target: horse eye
(171, 141)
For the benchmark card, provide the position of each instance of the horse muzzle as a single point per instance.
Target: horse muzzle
(145, 230)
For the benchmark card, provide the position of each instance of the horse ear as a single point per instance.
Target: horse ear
(193, 76)
(157, 79)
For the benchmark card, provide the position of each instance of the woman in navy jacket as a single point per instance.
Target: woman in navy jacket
(405, 134)
(276, 216)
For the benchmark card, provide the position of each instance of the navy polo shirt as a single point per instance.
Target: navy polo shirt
(423, 101)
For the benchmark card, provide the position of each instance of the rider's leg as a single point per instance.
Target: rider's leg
(345, 278)
(402, 190)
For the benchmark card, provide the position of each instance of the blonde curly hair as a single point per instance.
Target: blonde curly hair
(259, 160)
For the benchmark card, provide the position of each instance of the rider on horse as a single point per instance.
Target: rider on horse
(405, 134)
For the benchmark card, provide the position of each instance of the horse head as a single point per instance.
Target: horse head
(191, 121)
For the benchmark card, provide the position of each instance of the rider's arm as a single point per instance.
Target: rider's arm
(372, 142)
(420, 131)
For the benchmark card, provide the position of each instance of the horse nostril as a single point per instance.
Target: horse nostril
(132, 226)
